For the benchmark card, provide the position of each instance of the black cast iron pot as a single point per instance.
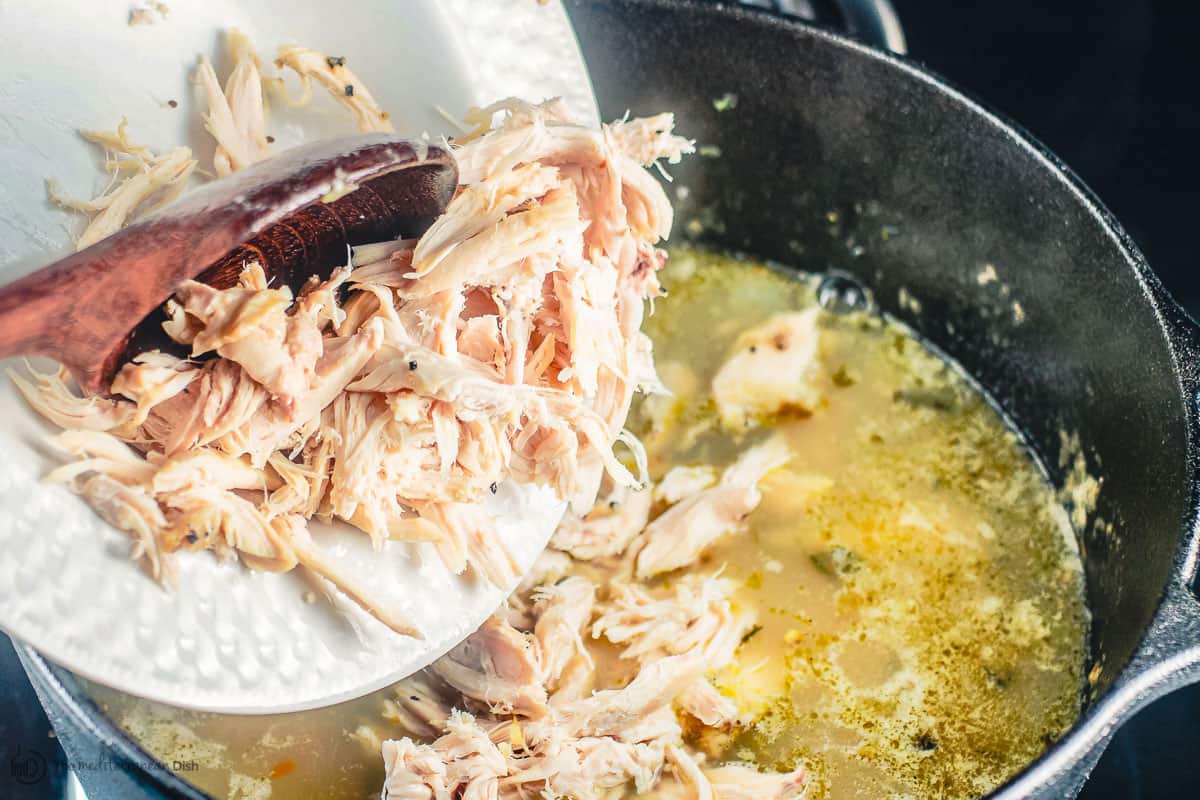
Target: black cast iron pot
(838, 156)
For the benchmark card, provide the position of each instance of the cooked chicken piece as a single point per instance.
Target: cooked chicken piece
(236, 116)
(681, 482)
(99, 452)
(608, 528)
(414, 771)
(226, 315)
(201, 468)
(698, 617)
(253, 327)
(342, 84)
(498, 667)
(148, 13)
(562, 610)
(623, 713)
(506, 251)
(222, 400)
(771, 371)
(703, 701)
(210, 517)
(651, 624)
(474, 765)
(550, 567)
(49, 394)
(477, 210)
(294, 533)
(736, 782)
(152, 378)
(519, 609)
(578, 679)
(468, 539)
(156, 178)
(132, 510)
(263, 433)
(689, 772)
(420, 707)
(589, 768)
(678, 536)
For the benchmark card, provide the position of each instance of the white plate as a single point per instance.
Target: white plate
(231, 640)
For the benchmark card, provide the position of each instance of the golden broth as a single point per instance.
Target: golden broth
(921, 625)
(919, 591)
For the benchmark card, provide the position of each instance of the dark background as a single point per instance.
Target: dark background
(1110, 86)
(1113, 88)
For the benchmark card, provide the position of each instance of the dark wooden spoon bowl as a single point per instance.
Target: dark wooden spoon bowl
(83, 310)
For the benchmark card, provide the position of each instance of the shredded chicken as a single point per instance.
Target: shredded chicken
(684, 530)
(608, 528)
(515, 712)
(140, 182)
(504, 344)
(343, 85)
(148, 13)
(236, 115)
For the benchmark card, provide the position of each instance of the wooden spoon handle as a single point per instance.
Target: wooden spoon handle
(82, 309)
(27, 312)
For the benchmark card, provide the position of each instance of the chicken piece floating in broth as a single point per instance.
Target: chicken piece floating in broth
(606, 530)
(677, 537)
(771, 370)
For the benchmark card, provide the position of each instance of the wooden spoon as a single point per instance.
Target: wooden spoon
(83, 311)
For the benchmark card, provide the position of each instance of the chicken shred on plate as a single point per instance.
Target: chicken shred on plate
(236, 115)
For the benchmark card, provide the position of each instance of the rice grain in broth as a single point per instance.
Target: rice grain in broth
(920, 626)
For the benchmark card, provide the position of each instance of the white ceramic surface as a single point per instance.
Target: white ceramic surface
(227, 639)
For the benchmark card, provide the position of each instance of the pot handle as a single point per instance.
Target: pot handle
(872, 22)
(1169, 656)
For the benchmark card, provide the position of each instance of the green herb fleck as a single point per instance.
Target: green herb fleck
(836, 562)
(842, 378)
(726, 102)
(750, 634)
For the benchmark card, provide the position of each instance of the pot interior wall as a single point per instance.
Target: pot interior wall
(833, 157)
